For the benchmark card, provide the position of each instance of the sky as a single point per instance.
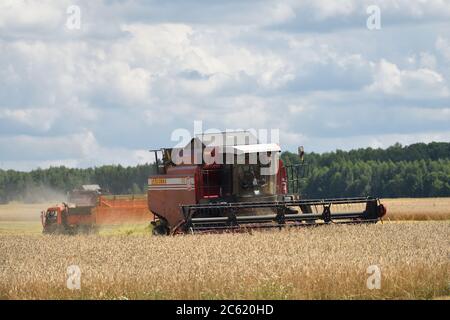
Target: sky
(87, 83)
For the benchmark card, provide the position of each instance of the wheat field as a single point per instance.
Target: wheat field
(417, 209)
(326, 262)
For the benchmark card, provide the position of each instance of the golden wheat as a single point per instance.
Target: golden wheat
(320, 262)
(418, 208)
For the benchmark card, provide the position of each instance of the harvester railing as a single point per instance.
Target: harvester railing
(296, 173)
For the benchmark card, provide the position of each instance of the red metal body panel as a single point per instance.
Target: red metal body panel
(281, 178)
(168, 191)
(81, 219)
(192, 184)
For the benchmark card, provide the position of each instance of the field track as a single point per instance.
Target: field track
(24, 219)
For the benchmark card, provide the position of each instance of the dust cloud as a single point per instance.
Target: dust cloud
(39, 194)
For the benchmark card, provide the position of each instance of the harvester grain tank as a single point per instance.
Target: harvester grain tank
(90, 207)
(253, 190)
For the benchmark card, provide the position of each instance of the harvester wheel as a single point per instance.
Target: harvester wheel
(160, 230)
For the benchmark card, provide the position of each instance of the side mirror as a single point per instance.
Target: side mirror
(301, 153)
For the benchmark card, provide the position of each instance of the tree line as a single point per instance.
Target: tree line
(417, 170)
(55, 182)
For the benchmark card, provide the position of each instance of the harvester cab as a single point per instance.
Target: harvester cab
(54, 219)
(229, 180)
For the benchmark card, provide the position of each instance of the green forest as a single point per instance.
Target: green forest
(417, 170)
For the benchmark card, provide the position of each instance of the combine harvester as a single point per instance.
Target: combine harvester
(88, 208)
(205, 196)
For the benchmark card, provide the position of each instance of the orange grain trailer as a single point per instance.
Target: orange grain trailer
(122, 209)
(92, 210)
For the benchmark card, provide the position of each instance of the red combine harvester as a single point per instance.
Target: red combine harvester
(203, 196)
(88, 208)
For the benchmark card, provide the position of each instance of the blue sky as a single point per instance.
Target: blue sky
(137, 70)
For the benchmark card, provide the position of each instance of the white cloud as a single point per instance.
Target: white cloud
(427, 60)
(37, 118)
(244, 112)
(31, 15)
(76, 150)
(379, 141)
(326, 9)
(390, 79)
